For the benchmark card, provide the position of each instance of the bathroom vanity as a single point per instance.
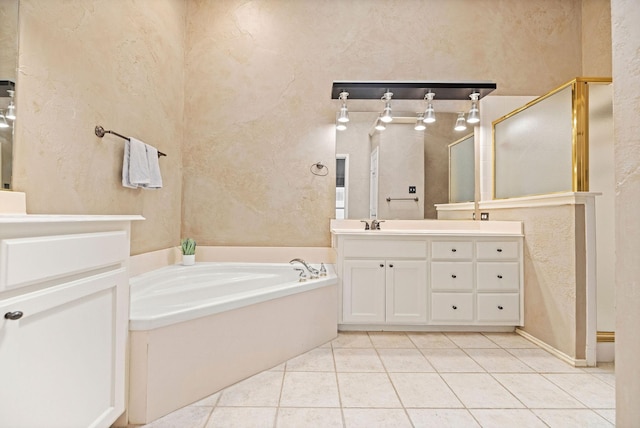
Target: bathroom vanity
(429, 275)
(63, 319)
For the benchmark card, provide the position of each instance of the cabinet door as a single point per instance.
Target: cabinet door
(406, 284)
(62, 358)
(363, 289)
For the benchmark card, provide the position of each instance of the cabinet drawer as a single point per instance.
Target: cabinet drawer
(24, 261)
(503, 276)
(452, 306)
(384, 248)
(452, 276)
(452, 250)
(497, 250)
(498, 307)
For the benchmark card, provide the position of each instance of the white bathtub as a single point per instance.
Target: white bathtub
(197, 329)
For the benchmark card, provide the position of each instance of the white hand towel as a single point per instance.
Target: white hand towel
(155, 179)
(140, 167)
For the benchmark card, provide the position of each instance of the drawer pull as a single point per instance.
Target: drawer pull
(500, 307)
(381, 265)
(454, 307)
(453, 250)
(390, 266)
(453, 276)
(499, 276)
(13, 315)
(499, 250)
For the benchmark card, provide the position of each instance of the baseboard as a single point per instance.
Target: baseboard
(564, 357)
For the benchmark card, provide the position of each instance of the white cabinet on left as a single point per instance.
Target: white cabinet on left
(64, 304)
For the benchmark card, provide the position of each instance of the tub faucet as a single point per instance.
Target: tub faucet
(313, 271)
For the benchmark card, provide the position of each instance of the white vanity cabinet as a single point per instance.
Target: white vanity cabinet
(384, 281)
(63, 319)
(431, 279)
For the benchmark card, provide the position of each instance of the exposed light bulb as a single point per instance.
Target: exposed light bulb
(461, 124)
(429, 113)
(474, 114)
(380, 126)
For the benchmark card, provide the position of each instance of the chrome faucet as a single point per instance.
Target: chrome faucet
(313, 271)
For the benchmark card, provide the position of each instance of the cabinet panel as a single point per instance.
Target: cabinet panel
(385, 249)
(504, 276)
(452, 250)
(497, 250)
(499, 307)
(363, 297)
(452, 276)
(452, 306)
(66, 353)
(406, 285)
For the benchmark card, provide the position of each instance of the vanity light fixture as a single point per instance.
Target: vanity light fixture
(461, 124)
(429, 113)
(380, 126)
(343, 116)
(3, 120)
(420, 126)
(341, 126)
(11, 110)
(386, 113)
(473, 116)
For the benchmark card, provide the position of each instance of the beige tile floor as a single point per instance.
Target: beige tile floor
(380, 379)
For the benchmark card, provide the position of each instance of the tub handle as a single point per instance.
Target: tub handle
(303, 276)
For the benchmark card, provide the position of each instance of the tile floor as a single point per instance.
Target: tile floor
(381, 379)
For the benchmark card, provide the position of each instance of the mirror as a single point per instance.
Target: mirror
(384, 172)
(8, 74)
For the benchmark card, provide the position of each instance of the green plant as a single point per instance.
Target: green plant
(188, 246)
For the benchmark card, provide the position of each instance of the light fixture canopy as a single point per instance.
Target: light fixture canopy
(380, 126)
(343, 116)
(429, 113)
(474, 115)
(420, 126)
(386, 113)
(461, 124)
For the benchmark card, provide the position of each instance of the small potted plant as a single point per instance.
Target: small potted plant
(188, 247)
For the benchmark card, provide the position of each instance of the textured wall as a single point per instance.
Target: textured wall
(596, 38)
(98, 62)
(626, 77)
(258, 111)
(8, 39)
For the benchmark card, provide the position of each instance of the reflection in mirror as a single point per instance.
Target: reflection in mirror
(462, 171)
(8, 67)
(385, 171)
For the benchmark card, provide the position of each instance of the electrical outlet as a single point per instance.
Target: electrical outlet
(412, 189)
(484, 216)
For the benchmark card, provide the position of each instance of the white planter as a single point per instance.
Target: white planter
(188, 260)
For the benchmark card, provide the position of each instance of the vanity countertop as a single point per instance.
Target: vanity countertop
(63, 218)
(428, 227)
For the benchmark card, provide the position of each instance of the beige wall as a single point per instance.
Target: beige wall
(258, 111)
(8, 39)
(98, 62)
(626, 77)
(596, 38)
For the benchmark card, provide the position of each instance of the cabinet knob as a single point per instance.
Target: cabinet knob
(453, 276)
(381, 265)
(499, 250)
(454, 307)
(390, 266)
(500, 307)
(453, 250)
(16, 315)
(499, 276)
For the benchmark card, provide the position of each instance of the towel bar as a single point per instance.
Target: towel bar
(389, 199)
(100, 132)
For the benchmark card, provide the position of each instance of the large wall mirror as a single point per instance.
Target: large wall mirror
(395, 173)
(8, 75)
